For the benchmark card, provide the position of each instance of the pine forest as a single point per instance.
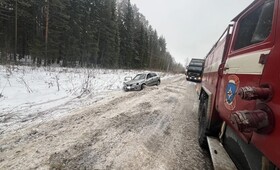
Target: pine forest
(85, 33)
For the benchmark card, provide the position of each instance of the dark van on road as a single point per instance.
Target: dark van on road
(195, 70)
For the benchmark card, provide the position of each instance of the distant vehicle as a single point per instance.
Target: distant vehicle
(141, 80)
(194, 70)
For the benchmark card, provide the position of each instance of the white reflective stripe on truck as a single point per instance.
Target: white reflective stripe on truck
(240, 64)
(245, 63)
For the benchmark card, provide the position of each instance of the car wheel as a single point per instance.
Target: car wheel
(158, 82)
(202, 118)
(124, 89)
(142, 86)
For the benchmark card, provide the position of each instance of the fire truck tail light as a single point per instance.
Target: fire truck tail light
(253, 93)
(260, 121)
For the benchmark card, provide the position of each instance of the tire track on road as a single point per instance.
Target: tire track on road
(150, 129)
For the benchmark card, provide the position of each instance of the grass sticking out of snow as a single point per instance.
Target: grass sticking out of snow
(28, 93)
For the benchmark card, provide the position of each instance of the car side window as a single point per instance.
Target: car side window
(256, 26)
(149, 76)
(153, 74)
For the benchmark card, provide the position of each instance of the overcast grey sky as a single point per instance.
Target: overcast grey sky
(190, 27)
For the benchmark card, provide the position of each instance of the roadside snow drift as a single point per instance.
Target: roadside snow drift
(28, 93)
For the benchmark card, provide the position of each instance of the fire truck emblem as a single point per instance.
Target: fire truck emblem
(231, 89)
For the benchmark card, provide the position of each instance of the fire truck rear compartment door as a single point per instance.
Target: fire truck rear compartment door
(220, 158)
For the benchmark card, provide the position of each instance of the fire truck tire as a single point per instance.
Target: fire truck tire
(202, 132)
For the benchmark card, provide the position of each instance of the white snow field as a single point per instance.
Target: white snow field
(29, 94)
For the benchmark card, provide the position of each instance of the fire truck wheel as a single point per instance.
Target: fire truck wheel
(202, 111)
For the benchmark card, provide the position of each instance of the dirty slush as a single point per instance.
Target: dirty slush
(155, 128)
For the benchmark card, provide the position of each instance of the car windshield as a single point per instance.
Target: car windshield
(139, 77)
(196, 64)
(194, 68)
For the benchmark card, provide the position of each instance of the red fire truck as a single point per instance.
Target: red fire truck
(240, 92)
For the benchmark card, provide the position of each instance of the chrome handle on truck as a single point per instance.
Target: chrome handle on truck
(222, 68)
(226, 68)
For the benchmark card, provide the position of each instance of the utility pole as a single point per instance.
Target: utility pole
(15, 50)
(47, 31)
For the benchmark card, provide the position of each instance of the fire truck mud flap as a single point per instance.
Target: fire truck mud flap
(220, 158)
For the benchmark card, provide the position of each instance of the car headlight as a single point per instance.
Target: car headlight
(199, 78)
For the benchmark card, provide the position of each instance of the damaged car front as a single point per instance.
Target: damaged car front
(137, 83)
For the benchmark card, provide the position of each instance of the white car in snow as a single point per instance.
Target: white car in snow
(141, 80)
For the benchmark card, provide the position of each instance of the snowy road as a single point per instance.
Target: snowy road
(152, 129)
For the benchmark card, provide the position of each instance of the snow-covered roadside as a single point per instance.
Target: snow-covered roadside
(28, 93)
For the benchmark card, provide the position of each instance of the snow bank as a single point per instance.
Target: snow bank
(27, 93)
